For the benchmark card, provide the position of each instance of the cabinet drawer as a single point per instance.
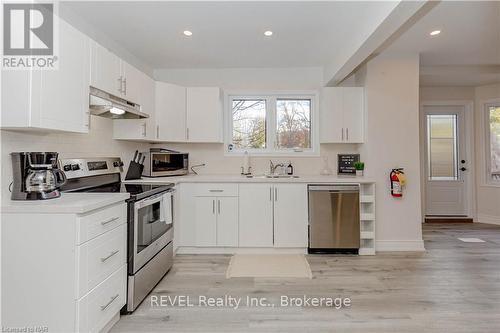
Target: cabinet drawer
(98, 222)
(100, 257)
(97, 308)
(216, 190)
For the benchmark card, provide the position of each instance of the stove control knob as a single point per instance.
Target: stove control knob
(67, 167)
(121, 163)
(75, 167)
(116, 164)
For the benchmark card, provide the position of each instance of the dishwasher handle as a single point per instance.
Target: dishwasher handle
(334, 188)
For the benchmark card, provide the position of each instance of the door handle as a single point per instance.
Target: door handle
(120, 84)
(218, 206)
(270, 194)
(275, 194)
(342, 134)
(213, 206)
(347, 133)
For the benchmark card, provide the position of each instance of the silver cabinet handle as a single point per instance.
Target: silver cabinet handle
(105, 306)
(342, 134)
(270, 194)
(187, 133)
(120, 84)
(110, 255)
(110, 220)
(213, 206)
(144, 130)
(347, 133)
(125, 86)
(218, 206)
(216, 191)
(157, 131)
(275, 194)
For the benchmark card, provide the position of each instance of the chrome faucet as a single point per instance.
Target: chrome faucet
(273, 167)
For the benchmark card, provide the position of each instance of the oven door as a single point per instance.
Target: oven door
(152, 227)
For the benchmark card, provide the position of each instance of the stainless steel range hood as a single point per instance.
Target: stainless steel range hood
(106, 105)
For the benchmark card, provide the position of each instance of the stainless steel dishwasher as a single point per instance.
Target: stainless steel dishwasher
(334, 218)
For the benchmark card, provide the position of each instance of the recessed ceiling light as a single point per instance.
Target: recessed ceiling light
(435, 32)
(268, 33)
(187, 33)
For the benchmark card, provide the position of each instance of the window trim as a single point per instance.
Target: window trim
(487, 147)
(271, 97)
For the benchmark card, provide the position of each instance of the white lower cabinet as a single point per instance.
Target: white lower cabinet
(273, 215)
(256, 215)
(216, 221)
(290, 215)
(250, 215)
(65, 271)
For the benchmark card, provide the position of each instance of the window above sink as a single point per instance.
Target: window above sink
(272, 124)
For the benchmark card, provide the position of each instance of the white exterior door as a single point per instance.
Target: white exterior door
(446, 160)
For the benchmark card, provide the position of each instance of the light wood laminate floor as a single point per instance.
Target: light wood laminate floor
(452, 287)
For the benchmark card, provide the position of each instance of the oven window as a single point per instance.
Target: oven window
(150, 225)
(167, 162)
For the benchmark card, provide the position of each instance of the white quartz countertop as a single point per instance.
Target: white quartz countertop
(67, 203)
(310, 179)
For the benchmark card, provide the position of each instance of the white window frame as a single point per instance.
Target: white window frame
(487, 147)
(271, 97)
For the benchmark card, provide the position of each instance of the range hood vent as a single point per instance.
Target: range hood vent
(106, 105)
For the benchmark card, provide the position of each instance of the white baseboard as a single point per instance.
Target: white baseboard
(400, 245)
(239, 250)
(490, 219)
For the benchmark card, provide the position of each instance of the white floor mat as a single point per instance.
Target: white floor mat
(472, 240)
(270, 266)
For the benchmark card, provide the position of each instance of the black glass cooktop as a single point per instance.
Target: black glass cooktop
(137, 191)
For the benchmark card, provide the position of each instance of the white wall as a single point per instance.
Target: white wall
(253, 79)
(98, 142)
(392, 99)
(488, 196)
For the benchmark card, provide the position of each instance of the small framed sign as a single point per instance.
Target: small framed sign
(346, 164)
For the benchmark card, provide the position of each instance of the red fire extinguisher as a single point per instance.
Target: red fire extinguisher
(396, 185)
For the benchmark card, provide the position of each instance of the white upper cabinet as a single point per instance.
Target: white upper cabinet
(204, 114)
(105, 70)
(113, 75)
(140, 129)
(132, 81)
(170, 104)
(51, 99)
(342, 115)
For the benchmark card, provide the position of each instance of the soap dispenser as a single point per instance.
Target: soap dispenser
(289, 168)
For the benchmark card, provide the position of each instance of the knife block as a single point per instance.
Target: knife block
(134, 171)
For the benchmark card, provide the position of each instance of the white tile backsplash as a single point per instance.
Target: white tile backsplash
(99, 142)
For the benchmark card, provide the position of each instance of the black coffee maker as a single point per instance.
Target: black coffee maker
(36, 176)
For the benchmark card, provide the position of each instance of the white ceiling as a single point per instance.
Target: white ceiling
(230, 34)
(466, 51)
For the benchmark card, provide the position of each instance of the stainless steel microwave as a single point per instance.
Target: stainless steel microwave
(165, 163)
